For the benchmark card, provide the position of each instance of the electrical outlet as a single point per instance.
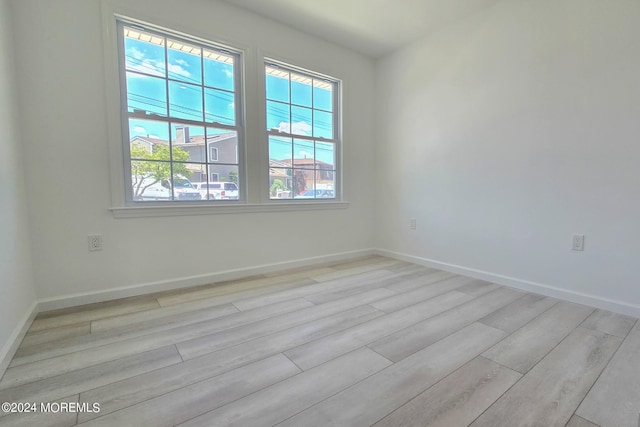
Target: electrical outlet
(412, 224)
(578, 242)
(95, 242)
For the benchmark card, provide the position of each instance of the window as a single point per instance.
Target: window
(181, 112)
(302, 129)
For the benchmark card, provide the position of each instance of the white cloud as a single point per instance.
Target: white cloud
(298, 128)
(136, 54)
(138, 61)
(177, 69)
(228, 73)
(140, 130)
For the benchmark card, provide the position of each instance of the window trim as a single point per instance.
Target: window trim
(186, 209)
(270, 60)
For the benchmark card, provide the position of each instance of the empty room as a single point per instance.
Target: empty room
(320, 213)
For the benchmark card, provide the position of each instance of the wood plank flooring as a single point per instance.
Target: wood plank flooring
(370, 341)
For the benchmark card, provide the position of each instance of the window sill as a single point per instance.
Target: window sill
(164, 211)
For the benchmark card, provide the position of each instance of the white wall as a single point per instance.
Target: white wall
(502, 135)
(505, 134)
(17, 296)
(64, 126)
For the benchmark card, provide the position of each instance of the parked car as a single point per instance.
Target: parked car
(318, 193)
(153, 189)
(217, 190)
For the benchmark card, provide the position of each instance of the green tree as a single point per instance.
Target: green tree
(277, 185)
(148, 168)
(233, 177)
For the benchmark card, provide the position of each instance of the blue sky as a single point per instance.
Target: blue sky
(311, 117)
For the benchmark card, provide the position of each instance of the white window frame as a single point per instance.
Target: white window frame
(213, 158)
(337, 129)
(217, 177)
(170, 120)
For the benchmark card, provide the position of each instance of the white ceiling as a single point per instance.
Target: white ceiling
(372, 27)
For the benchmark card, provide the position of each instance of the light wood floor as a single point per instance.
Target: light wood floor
(372, 341)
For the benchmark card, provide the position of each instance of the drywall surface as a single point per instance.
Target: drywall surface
(511, 131)
(17, 296)
(61, 57)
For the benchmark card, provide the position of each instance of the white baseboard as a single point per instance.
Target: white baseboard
(187, 282)
(525, 285)
(16, 338)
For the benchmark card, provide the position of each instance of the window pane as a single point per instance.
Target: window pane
(322, 95)
(280, 183)
(144, 52)
(223, 144)
(223, 182)
(146, 94)
(149, 152)
(303, 154)
(144, 135)
(147, 179)
(220, 106)
(303, 180)
(301, 119)
(325, 154)
(185, 101)
(218, 70)
(327, 179)
(278, 116)
(277, 84)
(280, 151)
(322, 124)
(183, 188)
(301, 90)
(325, 183)
(187, 143)
(185, 62)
